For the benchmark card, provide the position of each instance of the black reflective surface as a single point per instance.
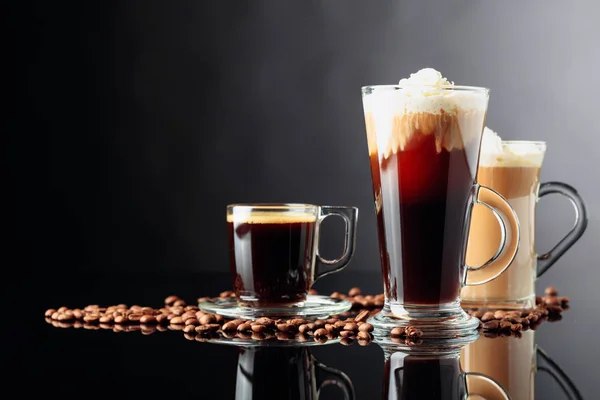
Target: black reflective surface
(80, 363)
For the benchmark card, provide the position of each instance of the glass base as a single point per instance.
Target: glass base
(315, 306)
(436, 322)
(520, 304)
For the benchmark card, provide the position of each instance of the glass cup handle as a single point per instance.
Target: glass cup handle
(559, 375)
(545, 261)
(350, 217)
(491, 381)
(510, 233)
(329, 376)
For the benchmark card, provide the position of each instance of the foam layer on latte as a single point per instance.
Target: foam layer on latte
(425, 103)
(498, 153)
(264, 217)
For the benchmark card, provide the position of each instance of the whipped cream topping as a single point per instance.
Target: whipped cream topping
(498, 153)
(423, 103)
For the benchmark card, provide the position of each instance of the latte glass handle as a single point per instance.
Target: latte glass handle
(509, 239)
(329, 376)
(545, 261)
(567, 386)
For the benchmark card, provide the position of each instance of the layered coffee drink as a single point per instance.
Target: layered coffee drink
(423, 138)
(271, 256)
(513, 170)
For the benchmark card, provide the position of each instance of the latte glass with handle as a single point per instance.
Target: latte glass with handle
(516, 175)
(423, 155)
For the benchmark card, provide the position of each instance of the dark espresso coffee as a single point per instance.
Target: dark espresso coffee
(423, 185)
(271, 256)
(423, 378)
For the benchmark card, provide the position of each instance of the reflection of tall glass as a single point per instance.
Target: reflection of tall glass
(512, 168)
(424, 147)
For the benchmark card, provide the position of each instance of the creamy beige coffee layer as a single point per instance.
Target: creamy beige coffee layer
(509, 361)
(271, 217)
(519, 185)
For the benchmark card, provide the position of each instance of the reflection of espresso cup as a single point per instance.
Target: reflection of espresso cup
(285, 373)
(513, 363)
(513, 170)
(273, 250)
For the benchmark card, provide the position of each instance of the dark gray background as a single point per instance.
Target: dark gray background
(142, 120)
(152, 116)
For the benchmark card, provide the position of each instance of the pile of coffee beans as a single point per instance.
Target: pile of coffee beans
(176, 315)
(350, 326)
(548, 308)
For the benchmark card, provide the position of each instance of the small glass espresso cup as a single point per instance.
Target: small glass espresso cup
(516, 176)
(274, 251)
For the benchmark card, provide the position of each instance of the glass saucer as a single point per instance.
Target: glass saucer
(315, 306)
(271, 342)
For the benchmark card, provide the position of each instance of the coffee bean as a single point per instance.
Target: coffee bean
(171, 299)
(63, 309)
(321, 339)
(538, 300)
(491, 325)
(188, 314)
(244, 327)
(119, 319)
(321, 332)
(330, 328)
(189, 328)
(551, 291)
(552, 301)
(554, 309)
(106, 319)
(268, 322)
(319, 323)
(516, 327)
(65, 317)
(525, 321)
(148, 319)
(564, 301)
(488, 316)
(331, 321)
(203, 299)
(282, 327)
(179, 311)
(313, 292)
(303, 328)
(366, 327)
(207, 319)
(398, 331)
(179, 303)
(350, 326)
(177, 321)
(227, 293)
(363, 335)
(514, 320)
(49, 312)
(532, 318)
(231, 326)
(191, 308)
(355, 291)
(499, 314)
(161, 328)
(362, 316)
(339, 324)
(55, 315)
(135, 317)
(505, 325)
(347, 341)
(542, 311)
(207, 328)
(258, 327)
(346, 334)
(413, 333)
(336, 295)
(91, 318)
(192, 322)
(229, 334)
(478, 314)
(189, 336)
(161, 319)
(296, 322)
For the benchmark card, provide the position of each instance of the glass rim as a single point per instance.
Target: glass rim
(272, 206)
(462, 88)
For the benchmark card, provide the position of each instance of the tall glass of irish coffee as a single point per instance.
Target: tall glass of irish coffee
(424, 137)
